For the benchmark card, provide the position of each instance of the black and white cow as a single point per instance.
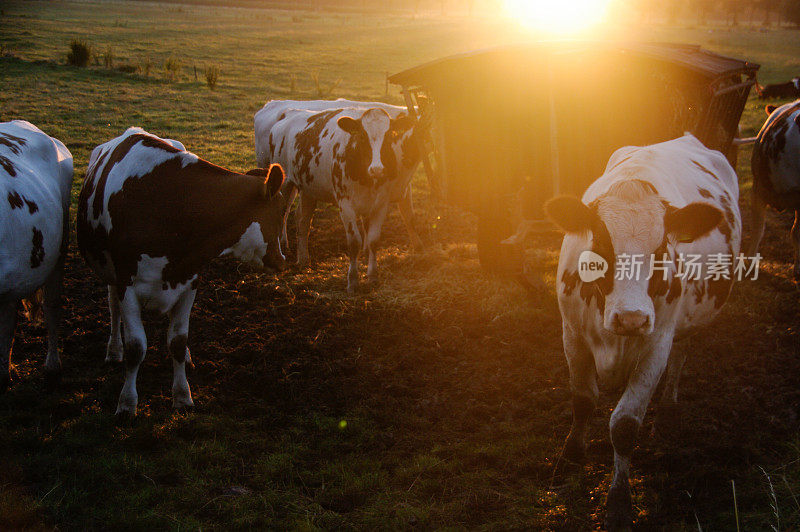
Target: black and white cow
(776, 173)
(360, 159)
(150, 216)
(406, 151)
(670, 200)
(35, 182)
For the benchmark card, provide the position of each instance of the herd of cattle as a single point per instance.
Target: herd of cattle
(151, 214)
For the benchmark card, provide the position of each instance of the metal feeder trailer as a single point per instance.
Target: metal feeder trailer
(516, 125)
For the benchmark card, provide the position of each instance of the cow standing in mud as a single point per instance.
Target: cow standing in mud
(776, 173)
(35, 182)
(150, 216)
(348, 157)
(661, 203)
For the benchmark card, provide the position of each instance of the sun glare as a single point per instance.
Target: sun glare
(558, 16)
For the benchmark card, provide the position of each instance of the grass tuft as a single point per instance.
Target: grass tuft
(212, 74)
(80, 53)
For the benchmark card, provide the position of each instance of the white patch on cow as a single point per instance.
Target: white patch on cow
(250, 246)
(150, 289)
(139, 161)
(376, 124)
(43, 168)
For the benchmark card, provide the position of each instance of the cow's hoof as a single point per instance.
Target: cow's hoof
(124, 418)
(619, 514)
(575, 450)
(52, 379)
(182, 409)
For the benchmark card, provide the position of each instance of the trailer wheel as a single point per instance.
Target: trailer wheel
(495, 257)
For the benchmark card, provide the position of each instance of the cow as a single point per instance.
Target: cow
(347, 156)
(789, 89)
(35, 183)
(150, 216)
(663, 203)
(274, 110)
(776, 173)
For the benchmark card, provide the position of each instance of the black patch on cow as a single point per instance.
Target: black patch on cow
(177, 348)
(704, 192)
(133, 351)
(623, 435)
(729, 219)
(37, 252)
(600, 288)
(569, 280)
(174, 211)
(675, 289)
(409, 148)
(704, 169)
(12, 142)
(8, 166)
(15, 200)
(32, 207)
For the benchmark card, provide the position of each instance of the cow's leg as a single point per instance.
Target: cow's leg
(625, 422)
(177, 336)
(114, 348)
(583, 383)
(52, 293)
(667, 412)
(406, 208)
(8, 322)
(373, 234)
(135, 348)
(796, 242)
(306, 213)
(289, 192)
(759, 218)
(354, 241)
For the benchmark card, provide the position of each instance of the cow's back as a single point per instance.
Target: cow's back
(307, 145)
(35, 182)
(273, 111)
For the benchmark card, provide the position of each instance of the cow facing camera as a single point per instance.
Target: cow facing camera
(591, 266)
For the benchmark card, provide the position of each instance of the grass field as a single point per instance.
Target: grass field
(437, 399)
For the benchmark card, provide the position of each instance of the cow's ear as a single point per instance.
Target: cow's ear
(770, 109)
(274, 181)
(570, 214)
(402, 123)
(689, 223)
(350, 125)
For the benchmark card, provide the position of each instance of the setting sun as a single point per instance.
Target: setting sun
(567, 16)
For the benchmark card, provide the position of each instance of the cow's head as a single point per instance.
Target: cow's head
(631, 219)
(271, 216)
(370, 156)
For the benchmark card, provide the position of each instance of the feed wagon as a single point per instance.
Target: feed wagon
(512, 126)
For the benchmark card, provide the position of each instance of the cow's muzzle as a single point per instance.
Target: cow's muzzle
(631, 323)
